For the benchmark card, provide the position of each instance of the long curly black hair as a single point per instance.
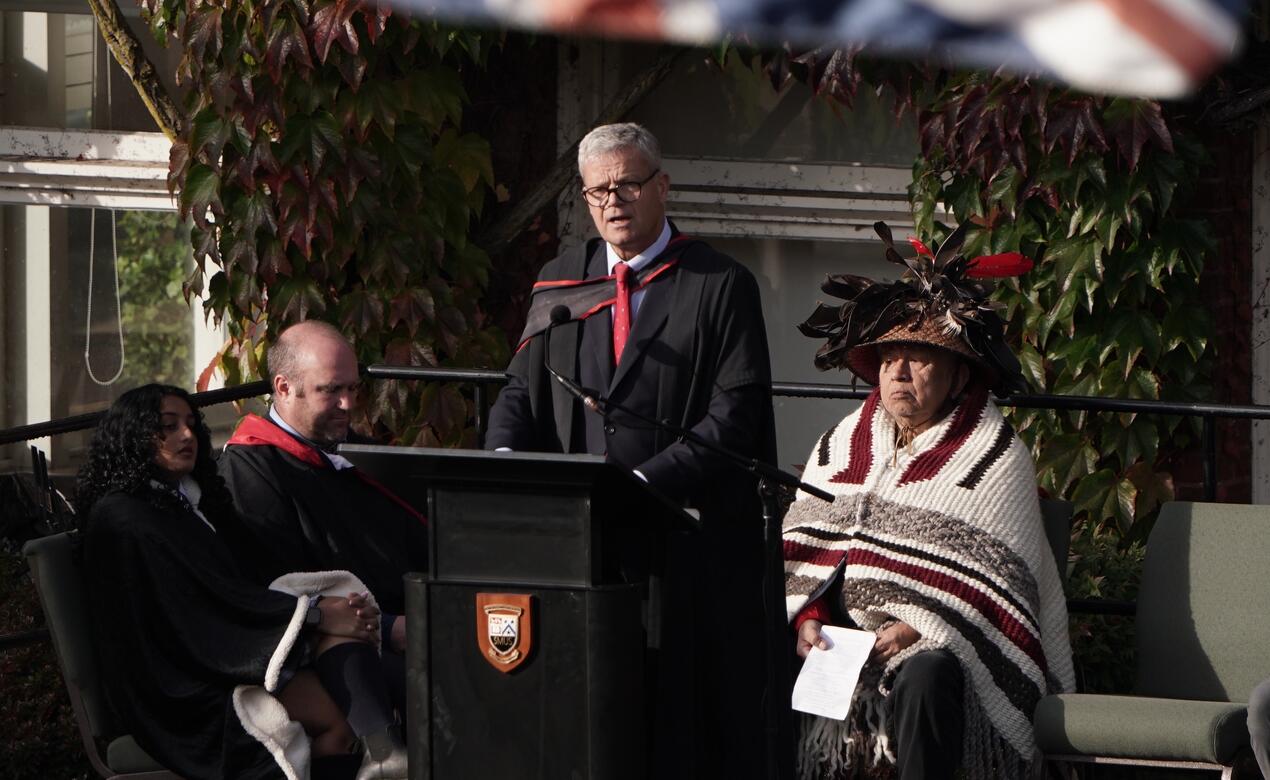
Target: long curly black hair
(121, 456)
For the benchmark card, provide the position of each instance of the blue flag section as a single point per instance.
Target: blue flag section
(1152, 48)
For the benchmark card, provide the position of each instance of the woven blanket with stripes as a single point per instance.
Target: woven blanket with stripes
(946, 535)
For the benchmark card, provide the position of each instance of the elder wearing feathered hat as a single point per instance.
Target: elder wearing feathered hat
(934, 541)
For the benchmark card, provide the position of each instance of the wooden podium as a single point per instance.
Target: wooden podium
(526, 639)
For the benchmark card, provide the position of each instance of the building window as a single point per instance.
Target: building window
(92, 253)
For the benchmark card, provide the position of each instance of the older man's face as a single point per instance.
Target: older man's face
(629, 227)
(915, 381)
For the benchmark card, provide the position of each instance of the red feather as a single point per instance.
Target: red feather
(920, 247)
(991, 266)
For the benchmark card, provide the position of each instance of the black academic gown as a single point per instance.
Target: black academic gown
(176, 626)
(697, 355)
(304, 515)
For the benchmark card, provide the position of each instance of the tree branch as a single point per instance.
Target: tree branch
(496, 238)
(131, 57)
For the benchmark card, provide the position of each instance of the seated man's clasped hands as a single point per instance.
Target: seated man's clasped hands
(209, 671)
(934, 541)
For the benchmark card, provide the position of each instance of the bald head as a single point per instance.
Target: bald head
(313, 373)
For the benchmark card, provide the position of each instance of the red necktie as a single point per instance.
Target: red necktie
(621, 310)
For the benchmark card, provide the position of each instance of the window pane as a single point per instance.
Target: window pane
(701, 110)
(47, 296)
(55, 71)
(789, 274)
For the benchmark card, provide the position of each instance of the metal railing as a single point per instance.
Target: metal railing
(481, 380)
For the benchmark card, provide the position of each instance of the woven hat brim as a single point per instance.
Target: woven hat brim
(863, 359)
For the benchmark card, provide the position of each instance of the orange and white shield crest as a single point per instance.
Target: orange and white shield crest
(504, 628)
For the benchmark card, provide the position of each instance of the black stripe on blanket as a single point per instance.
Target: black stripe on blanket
(1005, 435)
(822, 448)
(823, 534)
(1018, 688)
(958, 567)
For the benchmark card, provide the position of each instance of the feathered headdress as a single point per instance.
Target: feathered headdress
(937, 300)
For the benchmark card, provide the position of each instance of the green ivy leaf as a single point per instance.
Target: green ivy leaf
(468, 156)
(362, 311)
(208, 135)
(1154, 488)
(200, 193)
(436, 94)
(1065, 459)
(296, 299)
(1033, 367)
(1060, 314)
(1126, 504)
(1096, 494)
(1070, 258)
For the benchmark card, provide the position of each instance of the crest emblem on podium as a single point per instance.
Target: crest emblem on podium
(504, 628)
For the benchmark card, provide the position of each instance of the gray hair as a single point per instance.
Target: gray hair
(283, 357)
(607, 139)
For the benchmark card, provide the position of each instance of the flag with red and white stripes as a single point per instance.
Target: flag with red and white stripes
(1152, 48)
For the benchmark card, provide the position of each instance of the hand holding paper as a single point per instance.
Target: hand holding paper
(828, 679)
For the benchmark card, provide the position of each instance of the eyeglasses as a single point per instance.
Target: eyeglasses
(626, 191)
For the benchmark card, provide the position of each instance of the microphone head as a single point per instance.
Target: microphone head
(560, 314)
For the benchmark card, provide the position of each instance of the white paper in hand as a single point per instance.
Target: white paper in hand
(828, 679)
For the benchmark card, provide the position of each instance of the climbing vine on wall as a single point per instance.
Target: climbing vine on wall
(1087, 186)
(326, 174)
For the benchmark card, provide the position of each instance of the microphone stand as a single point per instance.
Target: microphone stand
(770, 479)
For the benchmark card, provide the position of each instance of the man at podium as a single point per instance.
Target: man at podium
(650, 320)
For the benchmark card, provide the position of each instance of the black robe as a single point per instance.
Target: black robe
(176, 626)
(697, 355)
(304, 515)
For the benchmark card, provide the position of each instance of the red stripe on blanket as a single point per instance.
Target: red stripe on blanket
(965, 419)
(1013, 630)
(817, 556)
(861, 445)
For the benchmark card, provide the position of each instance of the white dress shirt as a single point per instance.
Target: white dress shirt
(338, 461)
(638, 262)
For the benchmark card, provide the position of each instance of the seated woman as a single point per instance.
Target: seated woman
(190, 649)
(935, 541)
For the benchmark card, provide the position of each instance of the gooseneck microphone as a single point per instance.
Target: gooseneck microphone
(560, 314)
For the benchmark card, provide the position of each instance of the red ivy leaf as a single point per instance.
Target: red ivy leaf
(274, 262)
(1132, 123)
(376, 19)
(286, 42)
(203, 28)
(333, 22)
(1069, 126)
(178, 162)
(413, 307)
(409, 352)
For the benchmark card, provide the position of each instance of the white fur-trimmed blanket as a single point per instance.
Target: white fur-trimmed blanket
(945, 535)
(261, 714)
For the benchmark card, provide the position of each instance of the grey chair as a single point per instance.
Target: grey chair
(1203, 629)
(60, 584)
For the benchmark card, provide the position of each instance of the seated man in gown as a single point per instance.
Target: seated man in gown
(307, 508)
